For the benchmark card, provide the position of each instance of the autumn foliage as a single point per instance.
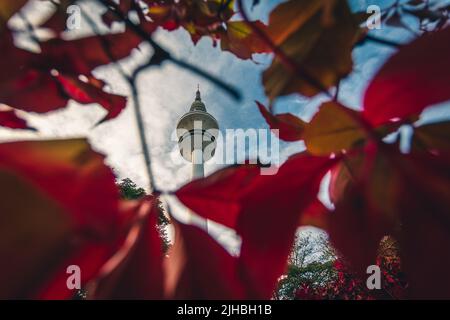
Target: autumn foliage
(49, 218)
(345, 284)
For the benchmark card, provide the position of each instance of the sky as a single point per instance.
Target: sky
(167, 92)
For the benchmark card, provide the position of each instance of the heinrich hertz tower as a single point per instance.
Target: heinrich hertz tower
(197, 131)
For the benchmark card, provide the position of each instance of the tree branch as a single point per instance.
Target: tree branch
(163, 54)
(382, 41)
(141, 129)
(131, 80)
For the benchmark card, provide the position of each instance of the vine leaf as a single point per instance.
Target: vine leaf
(399, 91)
(199, 268)
(10, 119)
(240, 39)
(263, 209)
(135, 271)
(405, 196)
(89, 92)
(315, 215)
(49, 213)
(56, 72)
(365, 205)
(319, 39)
(290, 127)
(333, 129)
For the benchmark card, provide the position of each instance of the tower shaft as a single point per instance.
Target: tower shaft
(198, 169)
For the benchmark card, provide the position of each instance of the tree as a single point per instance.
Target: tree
(130, 191)
(341, 283)
(311, 262)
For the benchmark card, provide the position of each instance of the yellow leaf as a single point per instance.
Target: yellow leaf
(240, 39)
(158, 10)
(319, 41)
(289, 16)
(332, 130)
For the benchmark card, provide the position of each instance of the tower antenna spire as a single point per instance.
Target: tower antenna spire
(197, 95)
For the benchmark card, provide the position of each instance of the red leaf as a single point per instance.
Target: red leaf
(316, 215)
(81, 56)
(341, 176)
(87, 93)
(106, 264)
(170, 25)
(415, 77)
(52, 212)
(270, 216)
(9, 119)
(89, 256)
(21, 90)
(356, 230)
(290, 127)
(424, 207)
(58, 20)
(364, 206)
(406, 196)
(68, 171)
(199, 268)
(219, 196)
(264, 210)
(135, 271)
(20, 84)
(29, 75)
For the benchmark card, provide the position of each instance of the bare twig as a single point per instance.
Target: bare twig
(382, 41)
(30, 28)
(336, 93)
(131, 80)
(104, 43)
(163, 54)
(142, 136)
